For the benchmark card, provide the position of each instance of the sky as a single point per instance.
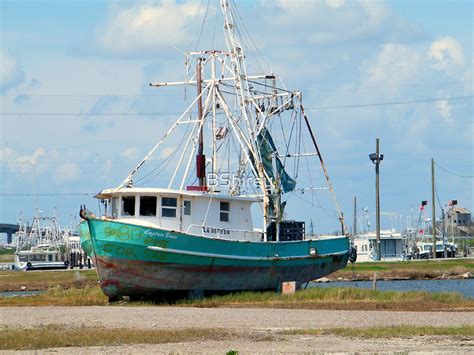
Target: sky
(76, 106)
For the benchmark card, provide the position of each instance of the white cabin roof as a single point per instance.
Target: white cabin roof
(108, 193)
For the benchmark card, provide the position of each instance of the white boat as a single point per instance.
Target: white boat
(392, 246)
(41, 245)
(42, 256)
(423, 249)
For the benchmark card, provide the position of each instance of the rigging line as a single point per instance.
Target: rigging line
(391, 103)
(249, 35)
(453, 173)
(437, 197)
(202, 25)
(326, 210)
(269, 86)
(215, 25)
(165, 161)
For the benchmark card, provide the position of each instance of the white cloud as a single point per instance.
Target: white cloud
(166, 152)
(445, 53)
(148, 27)
(395, 64)
(6, 154)
(21, 164)
(33, 158)
(11, 74)
(335, 3)
(130, 153)
(445, 110)
(67, 172)
(106, 169)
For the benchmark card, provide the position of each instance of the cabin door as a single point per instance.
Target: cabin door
(186, 213)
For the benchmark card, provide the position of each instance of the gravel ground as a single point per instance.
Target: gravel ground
(295, 345)
(249, 320)
(231, 318)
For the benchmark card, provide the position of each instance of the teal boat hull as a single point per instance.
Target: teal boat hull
(135, 260)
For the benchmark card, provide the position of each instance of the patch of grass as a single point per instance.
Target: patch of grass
(399, 331)
(7, 251)
(413, 269)
(7, 258)
(340, 298)
(7, 255)
(57, 336)
(88, 296)
(44, 280)
(313, 298)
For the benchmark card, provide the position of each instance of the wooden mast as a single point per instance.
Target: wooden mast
(200, 157)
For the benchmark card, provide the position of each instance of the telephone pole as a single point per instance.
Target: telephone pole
(377, 158)
(433, 205)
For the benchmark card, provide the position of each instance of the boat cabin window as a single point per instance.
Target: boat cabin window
(115, 206)
(147, 205)
(168, 206)
(187, 208)
(224, 211)
(128, 205)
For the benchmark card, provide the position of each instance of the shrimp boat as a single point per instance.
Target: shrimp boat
(196, 232)
(41, 246)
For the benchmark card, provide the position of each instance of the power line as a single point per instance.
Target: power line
(360, 88)
(391, 103)
(355, 88)
(177, 113)
(87, 114)
(453, 173)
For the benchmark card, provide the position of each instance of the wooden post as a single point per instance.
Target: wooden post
(377, 197)
(433, 204)
(200, 158)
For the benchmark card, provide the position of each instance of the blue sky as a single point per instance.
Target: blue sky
(86, 57)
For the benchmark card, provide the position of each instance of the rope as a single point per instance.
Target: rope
(453, 173)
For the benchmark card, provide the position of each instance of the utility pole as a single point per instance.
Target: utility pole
(433, 207)
(376, 158)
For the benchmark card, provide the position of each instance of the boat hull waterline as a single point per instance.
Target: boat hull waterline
(135, 260)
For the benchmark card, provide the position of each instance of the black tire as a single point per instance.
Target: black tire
(66, 263)
(28, 265)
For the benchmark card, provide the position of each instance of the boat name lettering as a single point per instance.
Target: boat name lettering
(213, 230)
(152, 233)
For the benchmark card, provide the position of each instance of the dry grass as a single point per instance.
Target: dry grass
(401, 331)
(87, 296)
(313, 298)
(44, 280)
(415, 269)
(57, 336)
(342, 299)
